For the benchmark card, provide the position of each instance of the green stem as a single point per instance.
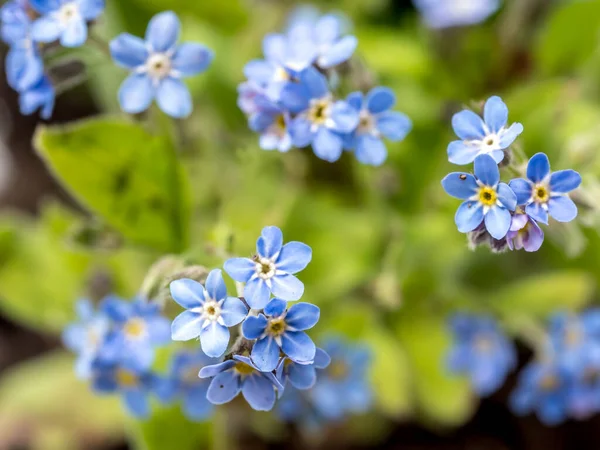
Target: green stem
(221, 439)
(100, 44)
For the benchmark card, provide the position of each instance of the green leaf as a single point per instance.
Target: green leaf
(129, 177)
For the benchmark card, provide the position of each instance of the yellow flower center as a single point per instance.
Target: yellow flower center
(484, 344)
(280, 122)
(134, 328)
(276, 327)
(549, 383)
(319, 111)
(488, 196)
(540, 193)
(126, 378)
(243, 369)
(338, 370)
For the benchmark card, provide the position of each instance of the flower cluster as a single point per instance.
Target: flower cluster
(499, 214)
(289, 101)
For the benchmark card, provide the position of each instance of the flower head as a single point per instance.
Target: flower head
(39, 96)
(545, 193)
(271, 270)
(280, 329)
(158, 65)
(452, 13)
(489, 136)
(524, 233)
(486, 199)
(302, 376)
(272, 122)
(209, 312)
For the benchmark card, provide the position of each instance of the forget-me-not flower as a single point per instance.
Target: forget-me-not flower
(158, 65)
(237, 375)
(545, 193)
(64, 20)
(209, 312)
(272, 122)
(40, 96)
(452, 13)
(486, 199)
(281, 329)
(302, 376)
(271, 270)
(524, 233)
(489, 136)
(376, 121)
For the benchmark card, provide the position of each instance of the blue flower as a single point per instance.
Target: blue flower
(272, 123)
(376, 122)
(281, 330)
(209, 313)
(524, 233)
(138, 329)
(39, 96)
(241, 375)
(321, 121)
(158, 64)
(452, 13)
(64, 20)
(482, 352)
(482, 137)
(487, 200)
(302, 376)
(545, 193)
(271, 270)
(85, 337)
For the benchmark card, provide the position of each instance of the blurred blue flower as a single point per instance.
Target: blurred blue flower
(64, 20)
(524, 233)
(545, 193)
(272, 122)
(376, 121)
(281, 329)
(482, 137)
(452, 13)
(321, 121)
(486, 199)
(302, 376)
(237, 375)
(271, 270)
(158, 64)
(39, 96)
(482, 352)
(209, 312)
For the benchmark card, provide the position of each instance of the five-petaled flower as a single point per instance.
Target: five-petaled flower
(524, 233)
(209, 312)
(545, 193)
(486, 199)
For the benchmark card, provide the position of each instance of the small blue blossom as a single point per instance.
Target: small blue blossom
(237, 375)
(545, 193)
(302, 376)
(40, 96)
(321, 121)
(376, 121)
(272, 122)
(271, 270)
(524, 233)
(452, 13)
(486, 199)
(281, 329)
(489, 136)
(158, 65)
(85, 337)
(64, 20)
(482, 352)
(209, 313)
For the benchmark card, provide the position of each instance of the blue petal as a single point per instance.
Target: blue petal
(274, 47)
(44, 6)
(298, 346)
(224, 388)
(345, 118)
(380, 99)
(214, 339)
(294, 257)
(327, 145)
(359, 397)
(355, 100)
(486, 170)
(507, 197)
(287, 287)
(327, 401)
(468, 125)
(275, 308)
(461, 153)
(322, 359)
(188, 293)
(240, 269)
(538, 167)
(534, 239)
(537, 213)
(196, 406)
(215, 286)
(460, 185)
(186, 326)
(216, 369)
(75, 34)
(270, 242)
(116, 309)
(136, 403)
(302, 376)
(163, 31)
(522, 188)
(261, 121)
(370, 150)
(302, 316)
(136, 93)
(315, 82)
(265, 354)
(295, 98)
(91, 9)
(338, 53)
(507, 137)
(254, 326)
(495, 114)
(233, 311)
(257, 293)
(562, 208)
(174, 98)
(260, 71)
(468, 216)
(497, 222)
(159, 330)
(46, 29)
(24, 68)
(192, 59)
(301, 132)
(128, 51)
(259, 392)
(564, 181)
(327, 29)
(74, 337)
(394, 125)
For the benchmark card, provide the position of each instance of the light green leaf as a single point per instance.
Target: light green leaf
(129, 177)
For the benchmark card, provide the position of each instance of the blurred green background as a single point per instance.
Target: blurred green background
(389, 265)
